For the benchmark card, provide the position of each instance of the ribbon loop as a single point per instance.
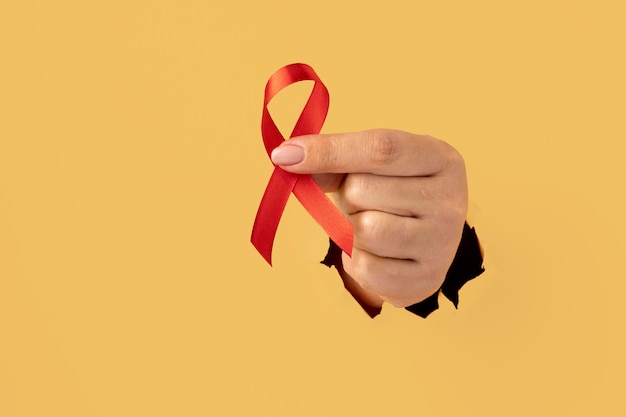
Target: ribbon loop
(283, 183)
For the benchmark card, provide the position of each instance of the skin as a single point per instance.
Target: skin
(406, 196)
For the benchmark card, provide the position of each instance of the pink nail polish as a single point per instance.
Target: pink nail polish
(287, 155)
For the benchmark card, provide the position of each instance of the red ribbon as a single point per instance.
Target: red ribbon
(283, 183)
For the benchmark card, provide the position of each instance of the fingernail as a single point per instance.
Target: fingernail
(287, 155)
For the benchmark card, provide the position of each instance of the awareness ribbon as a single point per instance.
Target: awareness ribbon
(283, 183)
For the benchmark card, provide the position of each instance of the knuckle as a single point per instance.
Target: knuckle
(354, 188)
(366, 220)
(459, 210)
(382, 147)
(366, 225)
(363, 270)
(454, 213)
(454, 157)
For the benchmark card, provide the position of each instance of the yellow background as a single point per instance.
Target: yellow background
(131, 167)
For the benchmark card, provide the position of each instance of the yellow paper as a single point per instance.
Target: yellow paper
(131, 167)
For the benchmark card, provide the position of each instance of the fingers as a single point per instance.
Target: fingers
(403, 196)
(379, 151)
(398, 281)
(402, 259)
(388, 235)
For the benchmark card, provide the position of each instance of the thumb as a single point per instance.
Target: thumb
(309, 154)
(290, 153)
(379, 151)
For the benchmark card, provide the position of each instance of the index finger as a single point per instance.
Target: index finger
(380, 151)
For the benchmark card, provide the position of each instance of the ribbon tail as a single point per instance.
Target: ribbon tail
(270, 211)
(325, 213)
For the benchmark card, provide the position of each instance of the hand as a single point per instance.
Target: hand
(406, 196)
